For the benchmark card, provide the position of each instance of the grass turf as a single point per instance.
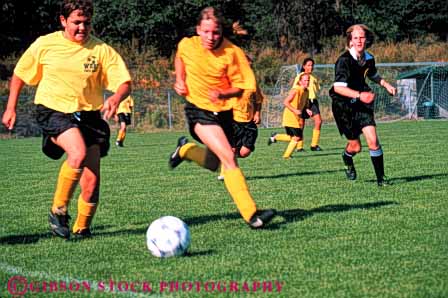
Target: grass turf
(332, 238)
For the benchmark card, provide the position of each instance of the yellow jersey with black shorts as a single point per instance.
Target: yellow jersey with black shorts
(290, 120)
(124, 110)
(70, 79)
(245, 131)
(206, 70)
(313, 90)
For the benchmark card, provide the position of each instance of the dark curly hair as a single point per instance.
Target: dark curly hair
(68, 6)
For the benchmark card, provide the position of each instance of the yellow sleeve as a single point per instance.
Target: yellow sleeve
(115, 70)
(245, 69)
(28, 68)
(234, 74)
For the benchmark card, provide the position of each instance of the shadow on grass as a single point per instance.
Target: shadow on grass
(288, 216)
(415, 178)
(34, 238)
(291, 215)
(293, 174)
(294, 215)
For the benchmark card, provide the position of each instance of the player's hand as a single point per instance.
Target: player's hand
(214, 96)
(257, 118)
(110, 107)
(367, 97)
(391, 89)
(181, 88)
(9, 118)
(309, 112)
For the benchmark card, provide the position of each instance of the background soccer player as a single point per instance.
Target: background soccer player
(313, 105)
(123, 116)
(294, 107)
(70, 68)
(208, 75)
(352, 100)
(246, 112)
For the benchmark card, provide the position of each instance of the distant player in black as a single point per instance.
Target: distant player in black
(353, 100)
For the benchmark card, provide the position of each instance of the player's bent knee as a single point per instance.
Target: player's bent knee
(211, 161)
(244, 152)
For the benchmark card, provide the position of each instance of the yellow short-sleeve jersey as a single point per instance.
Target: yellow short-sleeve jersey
(244, 107)
(313, 88)
(71, 76)
(207, 70)
(299, 102)
(126, 105)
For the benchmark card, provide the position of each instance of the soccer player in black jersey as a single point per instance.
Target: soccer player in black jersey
(353, 100)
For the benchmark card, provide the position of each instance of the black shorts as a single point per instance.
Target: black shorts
(244, 134)
(352, 117)
(124, 117)
(313, 106)
(294, 131)
(196, 115)
(93, 129)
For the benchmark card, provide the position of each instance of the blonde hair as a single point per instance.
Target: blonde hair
(369, 34)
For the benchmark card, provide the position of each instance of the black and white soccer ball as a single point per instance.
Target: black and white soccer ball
(168, 236)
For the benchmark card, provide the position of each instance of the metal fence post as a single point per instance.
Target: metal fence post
(170, 124)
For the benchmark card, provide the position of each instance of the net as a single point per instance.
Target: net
(422, 92)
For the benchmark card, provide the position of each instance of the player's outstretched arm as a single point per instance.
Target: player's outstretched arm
(288, 100)
(391, 89)
(180, 86)
(111, 104)
(9, 116)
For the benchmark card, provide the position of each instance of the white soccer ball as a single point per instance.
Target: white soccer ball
(168, 236)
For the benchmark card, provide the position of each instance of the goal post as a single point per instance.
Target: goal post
(422, 92)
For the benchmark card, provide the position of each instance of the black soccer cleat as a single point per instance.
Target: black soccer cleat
(315, 148)
(272, 139)
(83, 234)
(119, 143)
(59, 225)
(261, 218)
(350, 172)
(175, 158)
(300, 150)
(384, 181)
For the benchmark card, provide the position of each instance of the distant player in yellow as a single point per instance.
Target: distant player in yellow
(313, 105)
(124, 114)
(295, 104)
(208, 74)
(71, 68)
(246, 112)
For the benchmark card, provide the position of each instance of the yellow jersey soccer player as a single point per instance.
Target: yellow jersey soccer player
(124, 114)
(209, 76)
(295, 104)
(71, 68)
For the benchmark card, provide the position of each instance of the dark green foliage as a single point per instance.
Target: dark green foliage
(290, 24)
(332, 238)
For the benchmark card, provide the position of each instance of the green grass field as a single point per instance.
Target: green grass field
(332, 238)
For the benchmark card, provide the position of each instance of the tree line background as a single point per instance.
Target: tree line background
(159, 25)
(146, 33)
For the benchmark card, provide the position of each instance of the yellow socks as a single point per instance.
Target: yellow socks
(316, 137)
(299, 145)
(67, 181)
(282, 137)
(193, 152)
(121, 136)
(290, 149)
(200, 155)
(237, 187)
(86, 211)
